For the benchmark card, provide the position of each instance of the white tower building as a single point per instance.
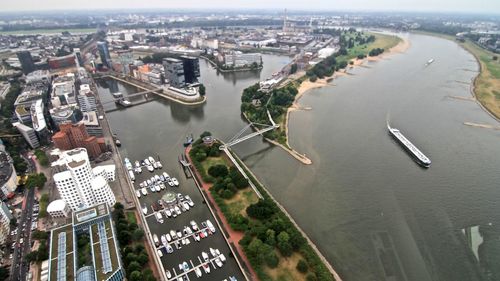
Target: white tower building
(76, 182)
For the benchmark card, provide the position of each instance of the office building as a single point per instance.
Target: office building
(56, 63)
(72, 136)
(104, 262)
(126, 58)
(78, 56)
(103, 49)
(8, 175)
(91, 123)
(78, 186)
(86, 99)
(181, 72)
(191, 67)
(174, 72)
(65, 114)
(26, 61)
(238, 59)
(58, 209)
(38, 121)
(38, 76)
(63, 91)
(5, 217)
(31, 93)
(28, 133)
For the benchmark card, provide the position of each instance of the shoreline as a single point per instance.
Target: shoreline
(230, 70)
(307, 85)
(474, 82)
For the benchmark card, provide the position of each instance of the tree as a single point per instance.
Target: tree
(202, 90)
(272, 259)
(39, 235)
(261, 210)
(283, 244)
(137, 234)
(205, 134)
(148, 275)
(4, 273)
(218, 171)
(134, 266)
(495, 57)
(130, 257)
(270, 237)
(124, 237)
(302, 266)
(136, 276)
(143, 259)
(118, 206)
(293, 68)
(311, 277)
(13, 222)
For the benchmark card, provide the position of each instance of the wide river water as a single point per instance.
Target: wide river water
(371, 210)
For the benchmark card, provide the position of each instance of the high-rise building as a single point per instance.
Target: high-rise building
(126, 58)
(8, 175)
(38, 121)
(26, 61)
(5, 217)
(86, 99)
(28, 133)
(174, 72)
(58, 209)
(191, 67)
(76, 182)
(104, 255)
(103, 49)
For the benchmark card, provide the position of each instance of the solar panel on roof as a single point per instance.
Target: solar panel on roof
(61, 257)
(103, 241)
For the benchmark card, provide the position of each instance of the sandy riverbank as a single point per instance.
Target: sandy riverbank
(307, 85)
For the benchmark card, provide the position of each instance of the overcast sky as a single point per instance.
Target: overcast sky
(473, 6)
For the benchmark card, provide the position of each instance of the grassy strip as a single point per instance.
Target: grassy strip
(44, 202)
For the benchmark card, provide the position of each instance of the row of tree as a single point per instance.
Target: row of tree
(134, 254)
(42, 253)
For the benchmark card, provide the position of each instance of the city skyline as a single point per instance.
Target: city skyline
(482, 6)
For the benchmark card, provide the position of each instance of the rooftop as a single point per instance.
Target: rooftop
(56, 205)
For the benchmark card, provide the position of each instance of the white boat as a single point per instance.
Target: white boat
(196, 237)
(162, 186)
(159, 217)
(430, 61)
(169, 249)
(157, 178)
(150, 168)
(218, 262)
(177, 210)
(160, 253)
(194, 225)
(146, 162)
(185, 266)
(164, 240)
(169, 275)
(169, 238)
(155, 239)
(205, 256)
(222, 257)
(179, 234)
(170, 182)
(175, 181)
(152, 188)
(128, 165)
(197, 271)
(155, 165)
(186, 205)
(131, 175)
(174, 213)
(210, 226)
(145, 210)
(206, 268)
(149, 182)
(151, 160)
(212, 251)
(168, 213)
(165, 175)
(173, 234)
(157, 187)
(158, 163)
(138, 193)
(144, 191)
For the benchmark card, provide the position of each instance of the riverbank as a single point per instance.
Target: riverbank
(486, 85)
(308, 85)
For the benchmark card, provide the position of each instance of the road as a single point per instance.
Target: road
(20, 267)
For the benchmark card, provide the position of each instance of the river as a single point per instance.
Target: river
(370, 209)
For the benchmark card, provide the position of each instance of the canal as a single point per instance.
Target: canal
(370, 209)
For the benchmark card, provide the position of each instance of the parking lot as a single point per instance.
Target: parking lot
(200, 250)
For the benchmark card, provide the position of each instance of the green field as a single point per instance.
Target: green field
(47, 31)
(382, 41)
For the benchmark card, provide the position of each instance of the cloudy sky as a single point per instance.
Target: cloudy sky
(475, 6)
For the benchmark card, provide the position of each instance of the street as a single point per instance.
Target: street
(20, 266)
